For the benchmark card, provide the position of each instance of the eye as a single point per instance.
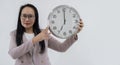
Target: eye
(30, 16)
(24, 15)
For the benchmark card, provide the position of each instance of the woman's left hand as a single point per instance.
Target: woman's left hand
(80, 26)
(79, 29)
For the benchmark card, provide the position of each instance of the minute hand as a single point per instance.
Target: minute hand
(64, 16)
(64, 20)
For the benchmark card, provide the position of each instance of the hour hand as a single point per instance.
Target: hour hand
(61, 28)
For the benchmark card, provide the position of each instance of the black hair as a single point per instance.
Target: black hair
(20, 29)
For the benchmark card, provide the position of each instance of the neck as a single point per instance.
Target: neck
(29, 30)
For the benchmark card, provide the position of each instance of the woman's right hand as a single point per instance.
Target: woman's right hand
(43, 35)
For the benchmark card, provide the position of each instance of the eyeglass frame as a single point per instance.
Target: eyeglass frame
(29, 16)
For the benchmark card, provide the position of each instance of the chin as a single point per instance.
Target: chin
(27, 26)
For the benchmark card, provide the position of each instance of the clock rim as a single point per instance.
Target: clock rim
(57, 7)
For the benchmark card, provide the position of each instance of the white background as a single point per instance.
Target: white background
(98, 43)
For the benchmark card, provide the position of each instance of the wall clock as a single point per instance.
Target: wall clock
(63, 21)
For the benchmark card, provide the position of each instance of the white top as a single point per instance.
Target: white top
(29, 35)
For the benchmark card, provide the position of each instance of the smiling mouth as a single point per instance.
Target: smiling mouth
(27, 23)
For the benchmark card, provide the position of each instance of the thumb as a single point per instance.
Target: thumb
(47, 28)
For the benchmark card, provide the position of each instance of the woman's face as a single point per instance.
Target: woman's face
(27, 17)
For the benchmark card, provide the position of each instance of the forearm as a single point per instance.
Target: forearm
(61, 47)
(36, 39)
(18, 51)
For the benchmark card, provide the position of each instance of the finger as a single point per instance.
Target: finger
(79, 29)
(47, 36)
(49, 33)
(47, 28)
(80, 25)
(81, 22)
(80, 19)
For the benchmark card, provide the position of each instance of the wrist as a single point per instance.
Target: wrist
(75, 37)
(35, 39)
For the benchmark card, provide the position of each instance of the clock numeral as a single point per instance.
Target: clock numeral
(74, 15)
(64, 34)
(74, 27)
(58, 11)
(52, 22)
(76, 21)
(70, 31)
(54, 16)
(54, 28)
(64, 9)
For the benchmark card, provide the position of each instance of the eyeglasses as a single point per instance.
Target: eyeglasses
(29, 16)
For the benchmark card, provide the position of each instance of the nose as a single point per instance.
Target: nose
(26, 19)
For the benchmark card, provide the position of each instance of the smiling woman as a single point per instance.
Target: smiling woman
(29, 44)
(27, 18)
(98, 43)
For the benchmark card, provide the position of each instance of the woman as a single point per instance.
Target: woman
(29, 44)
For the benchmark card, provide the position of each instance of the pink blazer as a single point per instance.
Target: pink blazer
(23, 57)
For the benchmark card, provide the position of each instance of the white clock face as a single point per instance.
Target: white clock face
(64, 21)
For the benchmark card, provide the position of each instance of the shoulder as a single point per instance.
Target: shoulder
(13, 32)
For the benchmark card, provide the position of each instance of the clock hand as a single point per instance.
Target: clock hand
(61, 28)
(64, 16)
(64, 19)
